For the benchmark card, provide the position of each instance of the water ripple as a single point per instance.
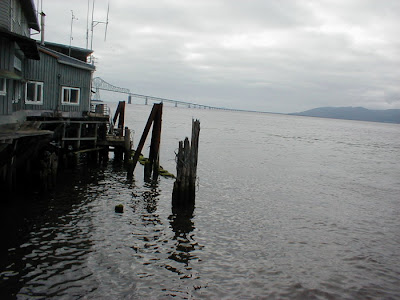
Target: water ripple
(286, 208)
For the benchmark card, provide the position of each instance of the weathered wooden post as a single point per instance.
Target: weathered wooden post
(120, 115)
(154, 155)
(127, 144)
(184, 192)
(11, 169)
(156, 118)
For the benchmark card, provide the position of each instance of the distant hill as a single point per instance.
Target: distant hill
(353, 113)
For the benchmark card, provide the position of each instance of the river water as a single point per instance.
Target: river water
(286, 207)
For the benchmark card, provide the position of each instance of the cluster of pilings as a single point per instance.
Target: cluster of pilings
(33, 154)
(152, 166)
(63, 142)
(184, 192)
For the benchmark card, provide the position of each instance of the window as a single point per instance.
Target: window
(17, 63)
(34, 92)
(17, 91)
(70, 95)
(2, 86)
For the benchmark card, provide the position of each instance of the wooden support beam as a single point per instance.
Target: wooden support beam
(121, 119)
(143, 140)
(63, 135)
(80, 139)
(127, 144)
(88, 150)
(154, 156)
(78, 143)
(117, 113)
(120, 115)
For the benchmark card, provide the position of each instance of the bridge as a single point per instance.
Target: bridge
(100, 84)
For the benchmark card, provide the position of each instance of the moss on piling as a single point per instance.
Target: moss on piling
(165, 173)
(144, 160)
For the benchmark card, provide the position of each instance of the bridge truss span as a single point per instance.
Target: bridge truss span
(100, 84)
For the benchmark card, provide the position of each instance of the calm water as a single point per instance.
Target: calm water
(287, 207)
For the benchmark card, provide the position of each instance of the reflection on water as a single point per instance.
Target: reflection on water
(182, 225)
(149, 197)
(78, 246)
(49, 240)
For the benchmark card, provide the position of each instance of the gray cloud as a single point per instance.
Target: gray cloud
(280, 56)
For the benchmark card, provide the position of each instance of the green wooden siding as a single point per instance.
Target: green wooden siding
(6, 54)
(55, 75)
(5, 14)
(6, 64)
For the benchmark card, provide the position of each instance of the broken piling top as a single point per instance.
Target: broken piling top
(195, 144)
(186, 168)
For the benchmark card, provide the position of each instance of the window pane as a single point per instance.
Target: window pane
(65, 95)
(17, 90)
(74, 96)
(30, 91)
(2, 85)
(39, 93)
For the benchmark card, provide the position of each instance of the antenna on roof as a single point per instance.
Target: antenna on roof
(70, 37)
(94, 23)
(87, 26)
(105, 32)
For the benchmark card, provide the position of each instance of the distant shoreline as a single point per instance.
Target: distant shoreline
(391, 116)
(353, 113)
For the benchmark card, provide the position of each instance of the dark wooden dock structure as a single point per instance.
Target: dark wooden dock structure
(43, 145)
(47, 118)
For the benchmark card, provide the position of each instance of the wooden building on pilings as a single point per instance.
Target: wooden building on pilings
(45, 109)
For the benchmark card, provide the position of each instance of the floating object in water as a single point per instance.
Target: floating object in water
(119, 208)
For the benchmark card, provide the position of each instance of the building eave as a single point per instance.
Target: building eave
(27, 45)
(87, 67)
(30, 12)
(67, 60)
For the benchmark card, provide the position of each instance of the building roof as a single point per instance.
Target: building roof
(30, 12)
(76, 52)
(27, 45)
(67, 60)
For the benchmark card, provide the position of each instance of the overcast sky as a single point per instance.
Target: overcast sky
(268, 55)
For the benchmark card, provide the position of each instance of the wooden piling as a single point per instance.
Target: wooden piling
(154, 155)
(120, 116)
(184, 192)
(156, 118)
(128, 144)
(11, 169)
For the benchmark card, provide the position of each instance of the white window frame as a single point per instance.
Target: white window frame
(66, 91)
(3, 87)
(36, 101)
